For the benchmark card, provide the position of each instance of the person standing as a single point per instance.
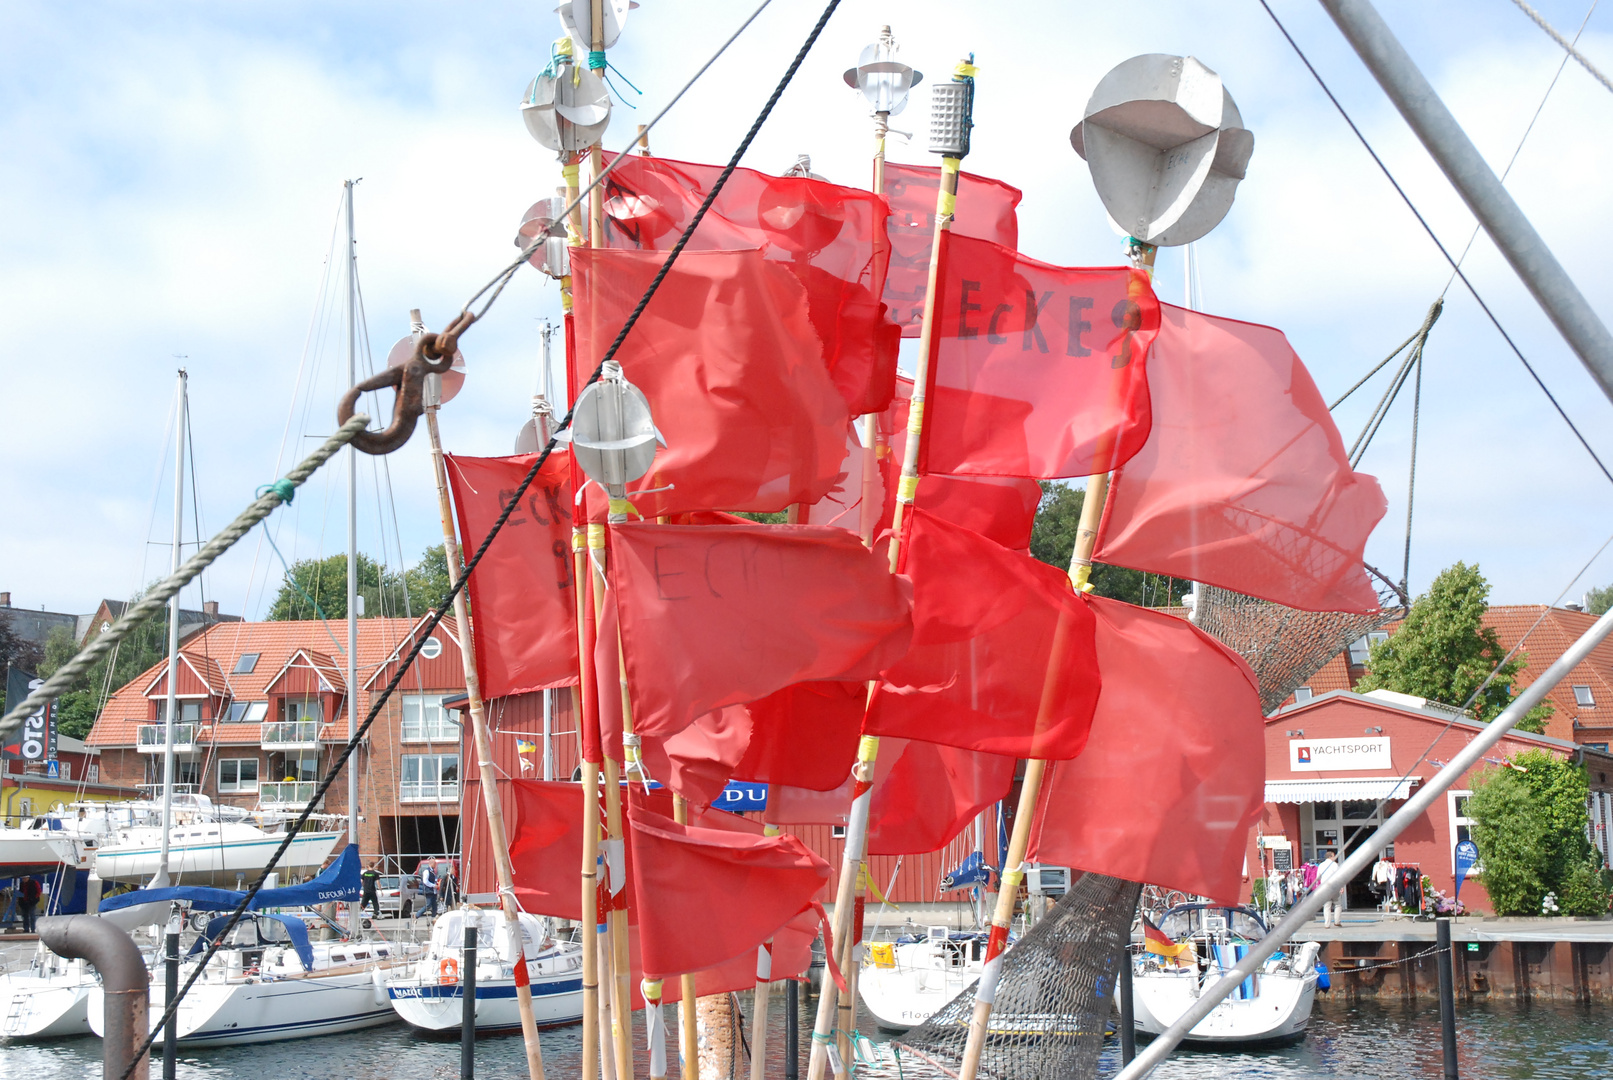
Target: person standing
(1327, 870)
(445, 887)
(368, 896)
(27, 900)
(428, 888)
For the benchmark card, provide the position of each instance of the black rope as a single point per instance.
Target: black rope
(515, 500)
(1455, 266)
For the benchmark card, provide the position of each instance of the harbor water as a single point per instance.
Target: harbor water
(1366, 1041)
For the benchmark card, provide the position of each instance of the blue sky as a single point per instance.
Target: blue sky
(173, 173)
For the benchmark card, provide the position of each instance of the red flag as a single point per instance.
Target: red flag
(985, 210)
(1037, 370)
(732, 371)
(521, 591)
(1000, 508)
(824, 234)
(804, 735)
(721, 615)
(1002, 658)
(683, 875)
(698, 761)
(1244, 482)
(546, 846)
(924, 796)
(1172, 777)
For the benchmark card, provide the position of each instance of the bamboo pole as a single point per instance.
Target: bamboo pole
(688, 1021)
(484, 749)
(587, 713)
(1086, 539)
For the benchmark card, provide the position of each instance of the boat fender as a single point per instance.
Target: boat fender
(448, 971)
(1305, 958)
(1323, 982)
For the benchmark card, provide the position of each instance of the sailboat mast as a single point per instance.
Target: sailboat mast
(171, 704)
(352, 536)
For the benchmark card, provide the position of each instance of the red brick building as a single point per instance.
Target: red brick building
(1331, 760)
(262, 711)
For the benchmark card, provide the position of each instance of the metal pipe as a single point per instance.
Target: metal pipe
(1128, 1009)
(170, 990)
(1363, 857)
(792, 1030)
(1447, 994)
(172, 702)
(353, 917)
(467, 1007)
(126, 986)
(1474, 180)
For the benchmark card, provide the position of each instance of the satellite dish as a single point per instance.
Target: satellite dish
(1166, 146)
(564, 117)
(451, 380)
(577, 20)
(612, 433)
(545, 220)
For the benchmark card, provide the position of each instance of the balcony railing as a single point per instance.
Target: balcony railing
(283, 734)
(286, 792)
(434, 731)
(153, 738)
(428, 791)
(154, 791)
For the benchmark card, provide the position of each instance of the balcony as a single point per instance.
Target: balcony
(152, 738)
(428, 791)
(290, 735)
(154, 791)
(286, 794)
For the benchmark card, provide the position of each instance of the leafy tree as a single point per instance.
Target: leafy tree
(317, 588)
(78, 707)
(1529, 825)
(16, 651)
(427, 582)
(1444, 652)
(764, 518)
(1597, 601)
(1053, 541)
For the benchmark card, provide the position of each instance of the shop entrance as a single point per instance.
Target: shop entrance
(1341, 826)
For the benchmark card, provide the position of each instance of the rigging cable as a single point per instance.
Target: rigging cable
(470, 566)
(1435, 238)
(1568, 46)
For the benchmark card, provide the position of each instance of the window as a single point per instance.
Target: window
(297, 765)
(837, 831)
(1461, 826)
(1584, 698)
(1303, 694)
(430, 777)
(188, 772)
(425, 720)
(246, 663)
(92, 773)
(304, 709)
(1361, 647)
(190, 712)
(431, 649)
(66, 770)
(238, 774)
(246, 712)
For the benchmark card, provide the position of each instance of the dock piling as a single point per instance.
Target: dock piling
(1447, 994)
(467, 1015)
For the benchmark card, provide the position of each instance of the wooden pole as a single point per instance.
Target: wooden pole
(688, 1021)
(587, 714)
(484, 749)
(1086, 539)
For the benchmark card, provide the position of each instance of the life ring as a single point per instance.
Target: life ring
(448, 971)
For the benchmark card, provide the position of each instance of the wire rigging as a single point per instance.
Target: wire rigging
(1568, 46)
(379, 703)
(1435, 238)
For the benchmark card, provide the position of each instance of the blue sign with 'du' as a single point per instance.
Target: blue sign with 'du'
(741, 796)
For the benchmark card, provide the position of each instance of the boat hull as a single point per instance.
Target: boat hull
(218, 864)
(1279, 1010)
(32, 851)
(35, 1007)
(439, 1010)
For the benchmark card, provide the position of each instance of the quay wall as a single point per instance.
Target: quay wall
(1580, 972)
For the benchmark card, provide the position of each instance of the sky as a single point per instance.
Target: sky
(173, 175)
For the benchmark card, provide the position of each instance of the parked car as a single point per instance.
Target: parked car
(397, 894)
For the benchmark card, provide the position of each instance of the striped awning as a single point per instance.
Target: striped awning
(1302, 791)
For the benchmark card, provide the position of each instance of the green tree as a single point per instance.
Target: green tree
(1529, 825)
(16, 651)
(78, 707)
(427, 582)
(1053, 542)
(1597, 601)
(1444, 652)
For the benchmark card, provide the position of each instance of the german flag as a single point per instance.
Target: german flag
(1156, 941)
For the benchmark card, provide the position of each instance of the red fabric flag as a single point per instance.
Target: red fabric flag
(804, 735)
(1173, 774)
(683, 874)
(985, 210)
(698, 761)
(791, 956)
(1037, 370)
(925, 794)
(732, 371)
(824, 234)
(546, 847)
(521, 591)
(721, 615)
(1000, 508)
(1002, 658)
(1244, 482)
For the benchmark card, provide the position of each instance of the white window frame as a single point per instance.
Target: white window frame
(425, 720)
(1599, 824)
(239, 785)
(1587, 700)
(240, 670)
(295, 707)
(424, 788)
(1459, 821)
(251, 712)
(1308, 693)
(92, 773)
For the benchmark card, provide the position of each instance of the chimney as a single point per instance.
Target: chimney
(5, 599)
(210, 608)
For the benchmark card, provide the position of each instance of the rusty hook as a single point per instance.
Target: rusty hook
(433, 355)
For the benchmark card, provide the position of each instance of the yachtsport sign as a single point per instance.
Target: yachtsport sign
(1326, 755)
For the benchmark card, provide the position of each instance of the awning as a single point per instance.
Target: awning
(1299, 791)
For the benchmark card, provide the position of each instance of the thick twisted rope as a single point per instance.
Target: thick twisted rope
(1568, 46)
(274, 495)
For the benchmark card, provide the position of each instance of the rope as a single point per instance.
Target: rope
(1381, 411)
(1533, 374)
(157, 598)
(1411, 478)
(1568, 46)
(351, 428)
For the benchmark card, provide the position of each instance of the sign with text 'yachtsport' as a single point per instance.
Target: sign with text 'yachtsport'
(1327, 755)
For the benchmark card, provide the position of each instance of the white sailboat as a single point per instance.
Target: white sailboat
(905, 982)
(431, 997)
(1273, 1005)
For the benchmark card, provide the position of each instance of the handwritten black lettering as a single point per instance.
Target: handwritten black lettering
(991, 328)
(1033, 311)
(1073, 345)
(663, 574)
(964, 307)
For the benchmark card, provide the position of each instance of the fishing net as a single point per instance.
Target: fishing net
(1284, 646)
(1054, 997)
